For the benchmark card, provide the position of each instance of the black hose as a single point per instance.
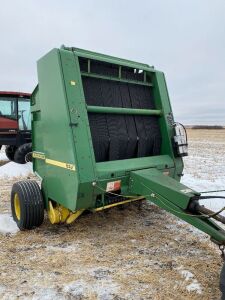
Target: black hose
(216, 191)
(211, 197)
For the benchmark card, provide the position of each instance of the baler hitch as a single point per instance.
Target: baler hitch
(179, 200)
(207, 213)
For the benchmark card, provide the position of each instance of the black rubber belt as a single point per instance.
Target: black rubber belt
(114, 136)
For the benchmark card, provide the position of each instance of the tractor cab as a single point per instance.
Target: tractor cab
(15, 125)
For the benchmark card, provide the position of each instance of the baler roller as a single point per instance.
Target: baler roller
(123, 111)
(113, 78)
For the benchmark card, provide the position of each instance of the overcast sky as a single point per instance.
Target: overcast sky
(183, 38)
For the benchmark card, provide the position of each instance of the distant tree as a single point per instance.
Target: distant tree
(207, 127)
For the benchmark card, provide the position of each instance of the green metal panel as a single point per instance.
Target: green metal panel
(163, 103)
(56, 139)
(78, 116)
(85, 162)
(123, 167)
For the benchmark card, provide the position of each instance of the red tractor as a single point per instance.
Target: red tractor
(15, 125)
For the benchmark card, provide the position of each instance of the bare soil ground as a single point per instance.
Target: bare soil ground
(134, 253)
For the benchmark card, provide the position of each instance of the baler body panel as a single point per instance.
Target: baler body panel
(51, 117)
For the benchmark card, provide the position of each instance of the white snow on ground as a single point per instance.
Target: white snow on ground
(192, 284)
(204, 166)
(194, 287)
(104, 289)
(7, 224)
(3, 157)
(186, 274)
(12, 169)
(201, 185)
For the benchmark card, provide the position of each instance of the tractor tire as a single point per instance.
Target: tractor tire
(21, 153)
(222, 282)
(10, 152)
(27, 204)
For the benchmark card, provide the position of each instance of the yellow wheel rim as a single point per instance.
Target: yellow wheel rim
(17, 205)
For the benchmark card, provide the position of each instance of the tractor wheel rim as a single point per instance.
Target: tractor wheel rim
(17, 206)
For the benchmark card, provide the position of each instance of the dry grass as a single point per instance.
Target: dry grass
(119, 254)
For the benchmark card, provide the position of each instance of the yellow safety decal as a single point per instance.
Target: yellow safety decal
(56, 163)
(72, 82)
(60, 164)
(38, 155)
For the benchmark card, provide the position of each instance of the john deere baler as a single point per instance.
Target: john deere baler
(104, 135)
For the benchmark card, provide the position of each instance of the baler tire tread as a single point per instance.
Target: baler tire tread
(21, 152)
(30, 202)
(222, 282)
(10, 152)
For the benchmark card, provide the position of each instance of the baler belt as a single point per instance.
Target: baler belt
(131, 149)
(117, 137)
(98, 123)
(116, 123)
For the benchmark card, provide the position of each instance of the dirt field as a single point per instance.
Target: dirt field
(135, 253)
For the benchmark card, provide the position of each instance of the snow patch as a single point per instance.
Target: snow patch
(186, 274)
(12, 169)
(7, 224)
(63, 248)
(102, 289)
(3, 157)
(194, 287)
(192, 284)
(46, 294)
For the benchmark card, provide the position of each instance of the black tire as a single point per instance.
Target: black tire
(222, 282)
(10, 152)
(21, 153)
(27, 204)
